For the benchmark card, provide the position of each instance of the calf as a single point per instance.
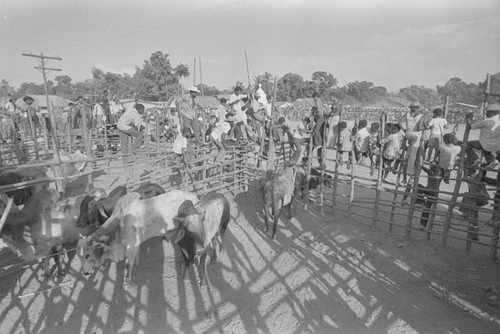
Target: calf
(50, 225)
(133, 222)
(279, 193)
(200, 226)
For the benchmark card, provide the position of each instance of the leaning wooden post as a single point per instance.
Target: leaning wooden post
(33, 132)
(337, 156)
(494, 242)
(70, 141)
(416, 177)
(6, 212)
(85, 135)
(308, 176)
(272, 148)
(106, 145)
(323, 166)
(383, 120)
(458, 182)
(353, 166)
(45, 137)
(157, 132)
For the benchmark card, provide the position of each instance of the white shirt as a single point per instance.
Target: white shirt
(10, 107)
(437, 125)
(221, 112)
(489, 137)
(362, 139)
(130, 117)
(220, 128)
(238, 99)
(179, 143)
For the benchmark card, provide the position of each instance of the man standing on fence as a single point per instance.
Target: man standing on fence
(412, 124)
(129, 125)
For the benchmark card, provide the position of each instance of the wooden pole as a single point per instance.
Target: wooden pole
(70, 124)
(157, 132)
(45, 137)
(194, 72)
(322, 165)
(446, 105)
(6, 213)
(383, 120)
(272, 149)
(353, 166)
(248, 71)
(337, 157)
(416, 177)
(203, 120)
(458, 182)
(33, 132)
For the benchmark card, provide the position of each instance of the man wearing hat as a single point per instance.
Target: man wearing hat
(129, 125)
(83, 104)
(187, 109)
(28, 110)
(489, 137)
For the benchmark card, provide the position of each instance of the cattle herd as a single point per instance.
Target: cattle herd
(113, 226)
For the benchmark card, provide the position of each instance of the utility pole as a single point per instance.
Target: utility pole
(55, 144)
(52, 120)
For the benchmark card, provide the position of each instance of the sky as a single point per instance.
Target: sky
(392, 43)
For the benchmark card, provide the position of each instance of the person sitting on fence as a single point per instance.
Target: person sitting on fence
(476, 197)
(374, 146)
(437, 125)
(489, 137)
(129, 125)
(187, 108)
(392, 144)
(221, 110)
(345, 144)
(448, 155)
(281, 132)
(218, 133)
(495, 218)
(361, 140)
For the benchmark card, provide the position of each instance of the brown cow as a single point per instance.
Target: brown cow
(201, 225)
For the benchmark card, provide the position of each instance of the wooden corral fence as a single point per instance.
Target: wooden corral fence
(201, 175)
(355, 193)
(400, 207)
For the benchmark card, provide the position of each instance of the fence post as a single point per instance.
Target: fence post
(458, 182)
(383, 120)
(337, 156)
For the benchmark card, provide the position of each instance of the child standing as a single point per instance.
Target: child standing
(448, 155)
(219, 131)
(373, 146)
(345, 144)
(437, 125)
(361, 140)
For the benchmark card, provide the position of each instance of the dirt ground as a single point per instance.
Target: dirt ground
(323, 274)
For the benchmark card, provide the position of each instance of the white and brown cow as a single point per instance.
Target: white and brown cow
(133, 221)
(200, 226)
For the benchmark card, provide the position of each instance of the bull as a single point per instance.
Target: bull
(202, 226)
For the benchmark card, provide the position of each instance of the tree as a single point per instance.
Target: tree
(290, 87)
(426, 96)
(365, 91)
(31, 88)
(266, 80)
(494, 88)
(461, 91)
(324, 80)
(63, 86)
(6, 90)
(157, 80)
